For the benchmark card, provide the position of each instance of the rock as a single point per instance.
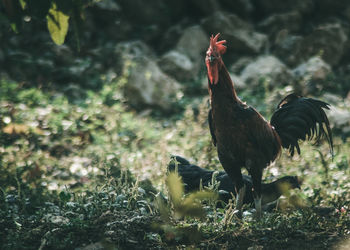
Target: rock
(329, 39)
(154, 12)
(290, 21)
(147, 24)
(133, 49)
(148, 86)
(109, 5)
(277, 6)
(346, 12)
(247, 41)
(193, 43)
(312, 75)
(223, 22)
(207, 7)
(63, 54)
(59, 220)
(332, 99)
(240, 64)
(238, 83)
(340, 119)
(170, 37)
(178, 66)
(242, 8)
(315, 69)
(184, 62)
(330, 7)
(288, 48)
(127, 51)
(92, 246)
(266, 69)
(2, 56)
(151, 19)
(240, 36)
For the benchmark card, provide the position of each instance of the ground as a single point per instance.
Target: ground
(90, 173)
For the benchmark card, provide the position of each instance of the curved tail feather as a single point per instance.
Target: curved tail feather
(301, 118)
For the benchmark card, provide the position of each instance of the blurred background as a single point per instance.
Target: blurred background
(91, 89)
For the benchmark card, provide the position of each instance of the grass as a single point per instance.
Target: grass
(82, 172)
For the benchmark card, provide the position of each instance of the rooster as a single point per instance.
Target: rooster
(243, 137)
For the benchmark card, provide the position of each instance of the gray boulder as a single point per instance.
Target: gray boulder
(133, 49)
(178, 65)
(109, 5)
(184, 62)
(170, 37)
(288, 48)
(238, 83)
(315, 69)
(268, 70)
(329, 40)
(312, 75)
(146, 84)
(240, 36)
(193, 42)
(240, 64)
(290, 21)
(331, 7)
(276, 6)
(154, 12)
(340, 119)
(2, 56)
(243, 8)
(207, 7)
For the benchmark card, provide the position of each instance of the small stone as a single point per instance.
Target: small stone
(59, 220)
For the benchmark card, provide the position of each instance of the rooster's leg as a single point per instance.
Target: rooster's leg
(256, 177)
(233, 170)
(239, 199)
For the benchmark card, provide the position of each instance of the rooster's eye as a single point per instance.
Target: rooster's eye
(211, 58)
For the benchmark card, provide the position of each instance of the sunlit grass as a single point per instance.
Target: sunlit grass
(89, 159)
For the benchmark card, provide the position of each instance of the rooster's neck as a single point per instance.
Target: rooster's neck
(224, 89)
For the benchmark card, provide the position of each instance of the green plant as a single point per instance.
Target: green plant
(56, 12)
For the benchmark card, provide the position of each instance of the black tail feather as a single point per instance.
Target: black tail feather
(300, 118)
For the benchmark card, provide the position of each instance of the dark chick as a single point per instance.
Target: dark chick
(193, 176)
(243, 138)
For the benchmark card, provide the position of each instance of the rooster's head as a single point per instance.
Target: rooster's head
(213, 58)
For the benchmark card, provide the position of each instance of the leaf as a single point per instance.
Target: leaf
(175, 187)
(163, 208)
(23, 4)
(57, 23)
(65, 196)
(13, 13)
(21, 129)
(199, 196)
(16, 129)
(14, 27)
(191, 210)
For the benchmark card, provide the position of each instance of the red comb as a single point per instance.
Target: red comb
(219, 46)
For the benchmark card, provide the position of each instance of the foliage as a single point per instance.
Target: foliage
(56, 12)
(78, 173)
(184, 206)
